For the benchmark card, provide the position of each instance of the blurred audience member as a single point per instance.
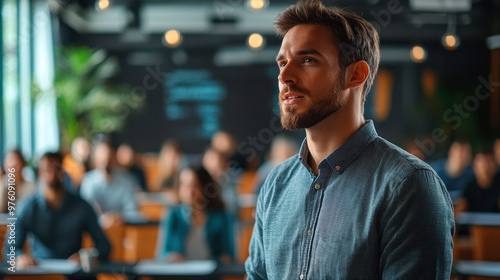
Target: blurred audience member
(198, 228)
(14, 164)
(77, 163)
(109, 189)
(482, 194)
(282, 148)
(217, 164)
(125, 156)
(55, 220)
(169, 164)
(225, 142)
(456, 170)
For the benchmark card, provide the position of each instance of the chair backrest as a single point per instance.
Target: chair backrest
(115, 235)
(485, 243)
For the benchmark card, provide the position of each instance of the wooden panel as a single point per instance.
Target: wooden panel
(115, 236)
(245, 234)
(102, 276)
(462, 249)
(152, 212)
(383, 94)
(245, 183)
(485, 245)
(140, 242)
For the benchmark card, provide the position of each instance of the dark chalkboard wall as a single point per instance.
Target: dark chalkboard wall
(191, 104)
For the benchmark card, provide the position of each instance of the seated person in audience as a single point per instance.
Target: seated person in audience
(198, 228)
(482, 194)
(14, 164)
(126, 158)
(217, 165)
(77, 163)
(282, 148)
(169, 163)
(225, 142)
(54, 220)
(456, 170)
(109, 189)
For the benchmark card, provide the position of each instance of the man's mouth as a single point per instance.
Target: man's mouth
(290, 98)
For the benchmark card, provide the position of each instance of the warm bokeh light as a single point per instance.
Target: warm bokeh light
(103, 4)
(173, 38)
(418, 54)
(255, 41)
(257, 4)
(450, 41)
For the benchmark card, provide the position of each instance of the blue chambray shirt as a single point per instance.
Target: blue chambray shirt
(373, 212)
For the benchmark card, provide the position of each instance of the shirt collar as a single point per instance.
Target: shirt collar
(340, 159)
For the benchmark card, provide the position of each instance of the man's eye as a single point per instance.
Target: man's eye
(307, 60)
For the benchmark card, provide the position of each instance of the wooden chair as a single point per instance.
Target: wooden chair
(246, 215)
(140, 242)
(115, 236)
(485, 245)
(152, 212)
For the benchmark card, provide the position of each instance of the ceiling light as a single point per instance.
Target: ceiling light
(255, 41)
(102, 5)
(172, 38)
(418, 54)
(258, 4)
(450, 39)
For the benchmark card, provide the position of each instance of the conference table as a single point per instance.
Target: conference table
(155, 269)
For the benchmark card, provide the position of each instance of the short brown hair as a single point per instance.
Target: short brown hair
(355, 38)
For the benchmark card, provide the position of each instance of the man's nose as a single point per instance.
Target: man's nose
(288, 74)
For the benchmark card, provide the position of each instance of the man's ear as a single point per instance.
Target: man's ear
(356, 74)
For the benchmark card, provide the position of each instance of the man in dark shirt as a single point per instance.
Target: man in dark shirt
(55, 219)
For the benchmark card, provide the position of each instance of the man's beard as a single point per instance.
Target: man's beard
(322, 106)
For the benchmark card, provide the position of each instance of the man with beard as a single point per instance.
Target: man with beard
(55, 219)
(350, 205)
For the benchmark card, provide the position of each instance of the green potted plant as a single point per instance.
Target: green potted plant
(87, 102)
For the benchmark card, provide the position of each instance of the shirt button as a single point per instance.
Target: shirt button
(337, 168)
(302, 276)
(309, 232)
(317, 186)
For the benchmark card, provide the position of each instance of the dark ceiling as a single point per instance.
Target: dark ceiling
(405, 28)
